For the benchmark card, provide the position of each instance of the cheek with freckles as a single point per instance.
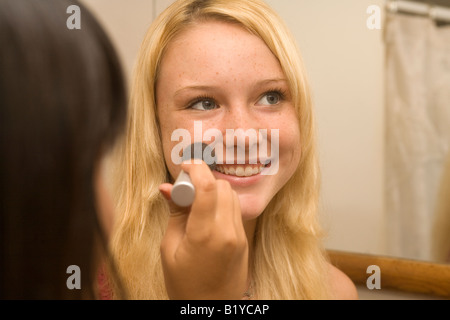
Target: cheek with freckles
(289, 140)
(290, 147)
(167, 127)
(290, 153)
(254, 200)
(185, 134)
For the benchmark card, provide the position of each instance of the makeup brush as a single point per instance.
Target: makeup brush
(183, 191)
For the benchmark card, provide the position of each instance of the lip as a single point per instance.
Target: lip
(238, 181)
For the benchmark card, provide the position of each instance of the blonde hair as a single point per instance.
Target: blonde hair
(289, 260)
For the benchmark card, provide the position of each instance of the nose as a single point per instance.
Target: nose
(240, 132)
(238, 116)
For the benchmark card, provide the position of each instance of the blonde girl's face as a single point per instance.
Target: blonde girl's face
(220, 76)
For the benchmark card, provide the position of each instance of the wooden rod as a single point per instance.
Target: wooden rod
(398, 274)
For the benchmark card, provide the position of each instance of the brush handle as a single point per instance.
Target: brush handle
(183, 191)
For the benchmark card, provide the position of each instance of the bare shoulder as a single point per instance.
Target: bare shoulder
(343, 287)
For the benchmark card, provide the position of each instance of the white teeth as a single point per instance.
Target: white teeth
(240, 171)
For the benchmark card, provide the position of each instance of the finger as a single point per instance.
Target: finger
(190, 166)
(237, 213)
(229, 215)
(225, 203)
(205, 202)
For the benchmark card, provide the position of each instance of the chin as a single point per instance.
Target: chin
(252, 205)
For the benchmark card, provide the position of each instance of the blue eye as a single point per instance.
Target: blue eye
(204, 104)
(271, 98)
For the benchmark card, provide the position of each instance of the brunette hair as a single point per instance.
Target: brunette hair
(62, 105)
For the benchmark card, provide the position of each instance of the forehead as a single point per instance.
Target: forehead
(215, 48)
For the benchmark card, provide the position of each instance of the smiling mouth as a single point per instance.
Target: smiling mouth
(242, 170)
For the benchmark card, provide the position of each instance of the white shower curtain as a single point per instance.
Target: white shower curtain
(417, 129)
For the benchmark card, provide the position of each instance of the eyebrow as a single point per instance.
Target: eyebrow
(211, 88)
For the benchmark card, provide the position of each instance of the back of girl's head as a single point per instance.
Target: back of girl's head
(62, 104)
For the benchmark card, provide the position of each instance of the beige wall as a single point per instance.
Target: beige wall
(126, 22)
(345, 62)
